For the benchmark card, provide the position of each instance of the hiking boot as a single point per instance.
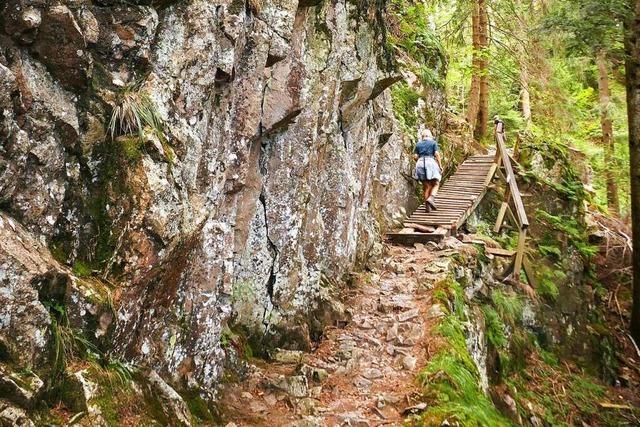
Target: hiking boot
(431, 202)
(427, 208)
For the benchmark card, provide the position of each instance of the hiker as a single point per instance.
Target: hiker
(498, 126)
(428, 167)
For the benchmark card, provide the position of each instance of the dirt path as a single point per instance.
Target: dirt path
(362, 374)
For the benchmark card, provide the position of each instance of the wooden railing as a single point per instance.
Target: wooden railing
(512, 193)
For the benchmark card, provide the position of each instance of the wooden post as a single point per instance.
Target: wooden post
(503, 210)
(519, 253)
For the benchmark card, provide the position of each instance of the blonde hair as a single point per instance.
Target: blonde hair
(426, 133)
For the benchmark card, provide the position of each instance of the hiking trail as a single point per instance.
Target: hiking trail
(362, 374)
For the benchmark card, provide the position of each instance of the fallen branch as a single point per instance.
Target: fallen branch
(634, 344)
(615, 406)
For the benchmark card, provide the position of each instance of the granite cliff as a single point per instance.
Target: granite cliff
(170, 170)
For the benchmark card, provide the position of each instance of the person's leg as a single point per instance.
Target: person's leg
(433, 190)
(425, 195)
(428, 189)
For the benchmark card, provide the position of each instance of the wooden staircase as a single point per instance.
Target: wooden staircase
(460, 195)
(456, 200)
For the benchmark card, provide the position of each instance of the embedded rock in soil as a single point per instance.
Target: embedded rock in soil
(12, 416)
(173, 406)
(22, 388)
(81, 397)
(295, 386)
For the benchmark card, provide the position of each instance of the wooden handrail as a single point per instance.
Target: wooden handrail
(521, 215)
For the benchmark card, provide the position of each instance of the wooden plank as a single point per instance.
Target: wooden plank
(449, 205)
(447, 198)
(438, 213)
(461, 182)
(452, 203)
(441, 219)
(500, 252)
(413, 238)
(434, 223)
(460, 192)
(440, 209)
(469, 169)
(503, 210)
(444, 195)
(419, 227)
(477, 201)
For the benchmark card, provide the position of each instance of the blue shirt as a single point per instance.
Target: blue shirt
(426, 147)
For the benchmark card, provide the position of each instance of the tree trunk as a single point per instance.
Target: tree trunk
(607, 134)
(483, 110)
(474, 90)
(525, 96)
(632, 65)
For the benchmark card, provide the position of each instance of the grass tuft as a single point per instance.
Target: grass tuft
(133, 110)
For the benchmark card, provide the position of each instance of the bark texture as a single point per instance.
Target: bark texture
(604, 96)
(632, 48)
(478, 112)
(474, 91)
(483, 110)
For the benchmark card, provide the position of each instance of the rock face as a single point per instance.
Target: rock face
(270, 167)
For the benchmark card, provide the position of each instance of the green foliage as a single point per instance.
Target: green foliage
(588, 25)
(574, 231)
(81, 268)
(550, 251)
(494, 328)
(451, 380)
(405, 104)
(70, 344)
(548, 280)
(133, 114)
(415, 35)
(508, 306)
(131, 147)
(578, 403)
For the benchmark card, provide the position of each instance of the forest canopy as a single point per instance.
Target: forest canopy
(554, 69)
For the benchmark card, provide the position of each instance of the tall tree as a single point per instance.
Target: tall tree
(478, 112)
(606, 124)
(483, 111)
(594, 30)
(632, 65)
(474, 89)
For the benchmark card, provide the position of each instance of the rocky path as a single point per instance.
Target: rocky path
(362, 374)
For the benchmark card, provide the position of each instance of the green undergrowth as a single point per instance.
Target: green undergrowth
(451, 381)
(405, 107)
(570, 229)
(560, 396)
(420, 51)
